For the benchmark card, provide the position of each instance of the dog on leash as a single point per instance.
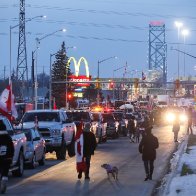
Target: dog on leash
(111, 170)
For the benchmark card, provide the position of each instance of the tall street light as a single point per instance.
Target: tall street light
(99, 62)
(179, 26)
(38, 41)
(12, 27)
(185, 32)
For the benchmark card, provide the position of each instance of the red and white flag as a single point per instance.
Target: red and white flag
(7, 105)
(79, 142)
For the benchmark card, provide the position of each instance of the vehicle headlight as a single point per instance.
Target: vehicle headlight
(183, 118)
(170, 117)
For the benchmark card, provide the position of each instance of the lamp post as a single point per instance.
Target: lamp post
(38, 40)
(10, 37)
(98, 64)
(185, 32)
(179, 26)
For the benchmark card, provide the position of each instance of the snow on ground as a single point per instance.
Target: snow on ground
(184, 185)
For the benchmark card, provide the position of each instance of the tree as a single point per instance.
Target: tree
(60, 72)
(90, 93)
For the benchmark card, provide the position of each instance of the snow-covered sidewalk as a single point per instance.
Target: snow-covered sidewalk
(182, 177)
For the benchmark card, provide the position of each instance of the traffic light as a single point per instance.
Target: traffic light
(177, 84)
(136, 82)
(69, 96)
(97, 85)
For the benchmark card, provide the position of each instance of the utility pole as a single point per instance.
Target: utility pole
(4, 71)
(22, 53)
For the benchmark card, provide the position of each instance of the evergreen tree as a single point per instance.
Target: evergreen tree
(60, 72)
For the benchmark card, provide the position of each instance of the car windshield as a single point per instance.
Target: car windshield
(41, 116)
(108, 117)
(27, 133)
(78, 116)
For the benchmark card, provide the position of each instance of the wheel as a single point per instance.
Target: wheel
(33, 162)
(19, 171)
(42, 161)
(61, 153)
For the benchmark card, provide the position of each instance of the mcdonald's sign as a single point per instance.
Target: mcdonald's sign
(79, 78)
(78, 64)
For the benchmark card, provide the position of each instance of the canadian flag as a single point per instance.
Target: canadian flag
(7, 105)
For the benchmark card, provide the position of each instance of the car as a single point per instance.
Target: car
(56, 128)
(36, 148)
(112, 125)
(19, 140)
(99, 127)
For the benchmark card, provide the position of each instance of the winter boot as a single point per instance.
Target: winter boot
(3, 184)
(147, 177)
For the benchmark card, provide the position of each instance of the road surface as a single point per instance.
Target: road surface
(60, 178)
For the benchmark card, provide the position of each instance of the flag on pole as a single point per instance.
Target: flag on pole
(143, 76)
(7, 105)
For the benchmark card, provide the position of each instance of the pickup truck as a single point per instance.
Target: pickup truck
(56, 128)
(19, 140)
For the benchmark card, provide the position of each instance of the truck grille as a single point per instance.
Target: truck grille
(44, 131)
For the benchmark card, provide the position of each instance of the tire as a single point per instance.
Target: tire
(20, 163)
(61, 153)
(33, 162)
(43, 160)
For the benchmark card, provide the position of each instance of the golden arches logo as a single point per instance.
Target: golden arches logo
(78, 64)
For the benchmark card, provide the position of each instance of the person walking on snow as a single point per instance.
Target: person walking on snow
(6, 156)
(147, 148)
(190, 120)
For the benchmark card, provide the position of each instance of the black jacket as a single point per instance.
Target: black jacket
(148, 146)
(6, 146)
(89, 143)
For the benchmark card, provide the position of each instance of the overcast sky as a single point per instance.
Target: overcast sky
(99, 29)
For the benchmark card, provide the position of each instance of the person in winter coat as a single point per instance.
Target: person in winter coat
(89, 147)
(190, 120)
(85, 144)
(131, 126)
(147, 148)
(176, 127)
(6, 156)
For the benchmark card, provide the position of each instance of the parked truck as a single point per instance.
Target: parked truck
(56, 128)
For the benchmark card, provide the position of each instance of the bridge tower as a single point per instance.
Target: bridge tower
(157, 54)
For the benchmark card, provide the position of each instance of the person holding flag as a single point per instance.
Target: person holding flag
(7, 105)
(85, 144)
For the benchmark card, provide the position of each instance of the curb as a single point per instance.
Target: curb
(175, 167)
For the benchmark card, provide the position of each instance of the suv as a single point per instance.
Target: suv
(99, 127)
(19, 140)
(56, 128)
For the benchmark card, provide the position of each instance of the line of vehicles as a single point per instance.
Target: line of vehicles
(46, 131)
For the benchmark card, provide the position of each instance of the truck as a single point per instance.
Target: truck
(19, 141)
(162, 100)
(56, 128)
